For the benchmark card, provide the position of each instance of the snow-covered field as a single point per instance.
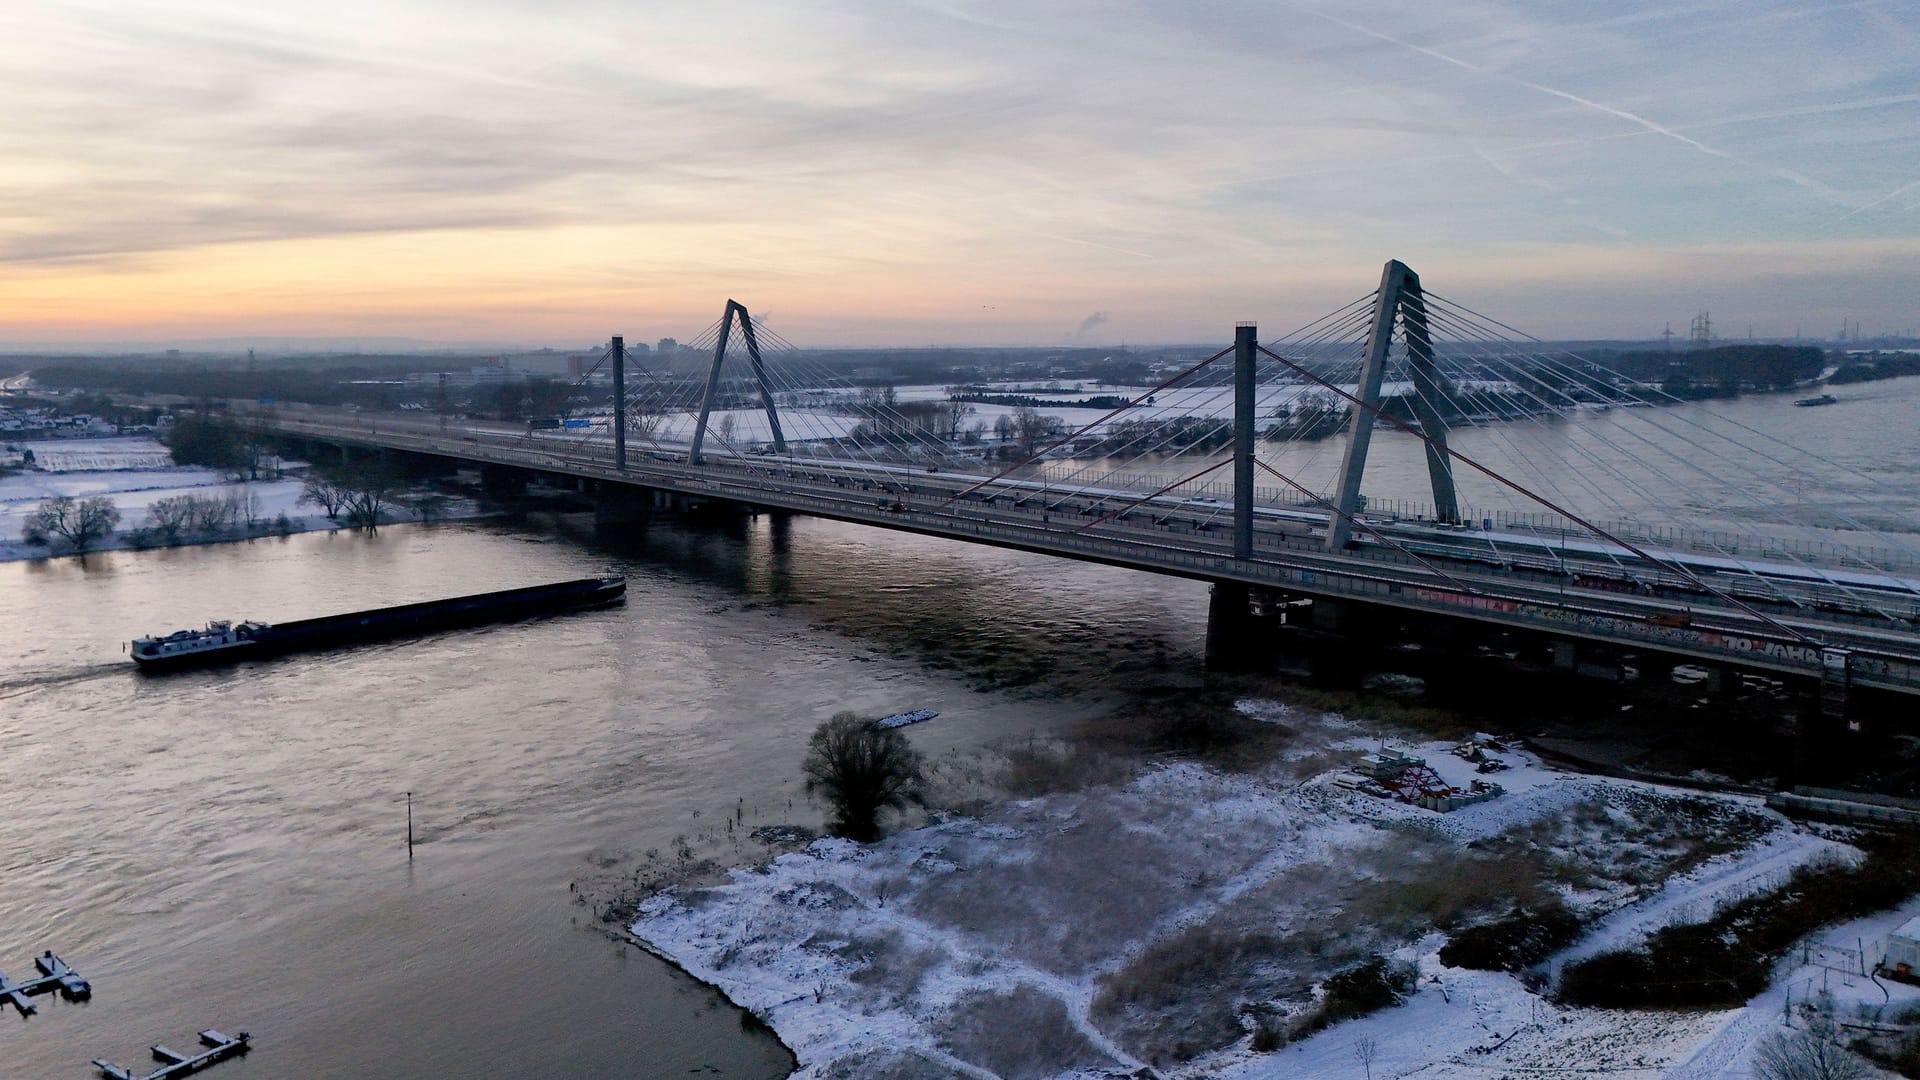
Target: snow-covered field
(136, 473)
(1144, 924)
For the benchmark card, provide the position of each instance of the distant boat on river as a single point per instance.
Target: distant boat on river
(1823, 399)
(898, 720)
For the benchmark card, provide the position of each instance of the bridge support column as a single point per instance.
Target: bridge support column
(1592, 661)
(1836, 682)
(1566, 656)
(621, 506)
(619, 403)
(1427, 398)
(1245, 344)
(1333, 616)
(500, 480)
(1233, 642)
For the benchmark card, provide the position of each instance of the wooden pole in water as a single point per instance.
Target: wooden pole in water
(409, 826)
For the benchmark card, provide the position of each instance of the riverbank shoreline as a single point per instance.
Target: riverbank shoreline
(136, 473)
(15, 550)
(1088, 913)
(750, 1019)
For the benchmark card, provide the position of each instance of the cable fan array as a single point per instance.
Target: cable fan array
(1589, 466)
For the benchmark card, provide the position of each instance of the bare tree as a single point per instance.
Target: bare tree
(82, 523)
(324, 489)
(368, 504)
(246, 504)
(1812, 1054)
(953, 415)
(169, 516)
(862, 770)
(208, 514)
(1366, 1050)
(644, 415)
(371, 489)
(1031, 427)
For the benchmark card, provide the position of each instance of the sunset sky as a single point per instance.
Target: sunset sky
(949, 172)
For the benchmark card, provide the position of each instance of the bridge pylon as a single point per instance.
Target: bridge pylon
(713, 380)
(1246, 343)
(619, 350)
(1400, 303)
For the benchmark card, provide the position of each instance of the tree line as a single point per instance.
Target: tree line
(1721, 371)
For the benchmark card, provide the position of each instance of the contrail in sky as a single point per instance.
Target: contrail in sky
(1798, 179)
(1887, 198)
(1095, 243)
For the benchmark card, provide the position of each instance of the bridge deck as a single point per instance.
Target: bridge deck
(1528, 586)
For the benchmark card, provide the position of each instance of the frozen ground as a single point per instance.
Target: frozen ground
(135, 474)
(1143, 924)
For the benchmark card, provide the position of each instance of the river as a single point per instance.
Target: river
(1754, 465)
(227, 848)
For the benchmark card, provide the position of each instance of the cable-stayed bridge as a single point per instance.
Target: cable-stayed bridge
(1249, 468)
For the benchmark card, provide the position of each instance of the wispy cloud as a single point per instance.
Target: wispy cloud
(1646, 124)
(948, 160)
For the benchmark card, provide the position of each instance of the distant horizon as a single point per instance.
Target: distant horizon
(346, 346)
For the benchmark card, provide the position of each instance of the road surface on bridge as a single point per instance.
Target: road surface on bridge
(1578, 589)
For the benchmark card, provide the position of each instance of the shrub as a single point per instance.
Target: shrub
(1357, 991)
(1813, 1054)
(1366, 988)
(1022, 1035)
(1177, 997)
(1724, 961)
(1048, 768)
(1518, 940)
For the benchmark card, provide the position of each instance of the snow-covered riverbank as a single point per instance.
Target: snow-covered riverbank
(1156, 923)
(136, 473)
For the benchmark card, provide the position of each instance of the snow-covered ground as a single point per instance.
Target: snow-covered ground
(1034, 941)
(136, 473)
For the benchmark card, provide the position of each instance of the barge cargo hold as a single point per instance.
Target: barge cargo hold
(224, 641)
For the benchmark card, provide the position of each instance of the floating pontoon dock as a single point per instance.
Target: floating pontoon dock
(174, 1063)
(902, 719)
(54, 974)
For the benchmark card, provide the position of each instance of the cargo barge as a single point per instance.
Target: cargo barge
(225, 641)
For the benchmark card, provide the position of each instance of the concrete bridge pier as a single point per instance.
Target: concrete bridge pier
(780, 531)
(1233, 631)
(502, 480)
(618, 506)
(1594, 662)
(1340, 616)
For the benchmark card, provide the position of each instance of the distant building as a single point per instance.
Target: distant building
(484, 375)
(1903, 949)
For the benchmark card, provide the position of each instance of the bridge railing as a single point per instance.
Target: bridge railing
(1379, 574)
